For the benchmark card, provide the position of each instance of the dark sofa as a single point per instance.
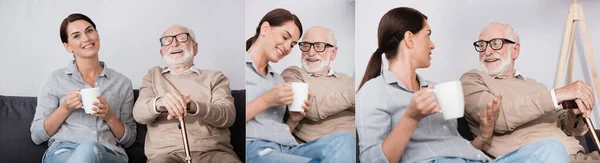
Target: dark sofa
(16, 114)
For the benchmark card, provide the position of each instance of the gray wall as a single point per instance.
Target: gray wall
(456, 25)
(129, 31)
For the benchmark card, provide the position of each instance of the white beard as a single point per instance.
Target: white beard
(187, 55)
(504, 63)
(324, 63)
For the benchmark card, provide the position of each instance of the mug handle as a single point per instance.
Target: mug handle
(79, 94)
(433, 91)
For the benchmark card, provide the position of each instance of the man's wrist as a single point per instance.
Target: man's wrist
(484, 138)
(191, 107)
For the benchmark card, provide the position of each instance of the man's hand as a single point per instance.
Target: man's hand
(580, 92)
(175, 103)
(487, 122)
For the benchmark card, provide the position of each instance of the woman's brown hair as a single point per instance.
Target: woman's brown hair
(392, 27)
(69, 19)
(276, 17)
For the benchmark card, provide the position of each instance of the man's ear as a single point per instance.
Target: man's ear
(333, 53)
(515, 51)
(195, 48)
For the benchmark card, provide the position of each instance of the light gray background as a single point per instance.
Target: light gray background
(30, 46)
(337, 15)
(456, 25)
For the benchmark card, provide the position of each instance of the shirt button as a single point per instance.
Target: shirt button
(94, 132)
(478, 156)
(445, 127)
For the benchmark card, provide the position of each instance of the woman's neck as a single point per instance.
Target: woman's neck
(259, 59)
(89, 67)
(406, 72)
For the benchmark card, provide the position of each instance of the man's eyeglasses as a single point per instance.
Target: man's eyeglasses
(319, 46)
(495, 44)
(168, 40)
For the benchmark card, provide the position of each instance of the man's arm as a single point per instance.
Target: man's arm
(144, 110)
(513, 112)
(323, 105)
(220, 111)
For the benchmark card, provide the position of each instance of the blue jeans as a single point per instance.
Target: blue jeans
(66, 151)
(545, 150)
(336, 147)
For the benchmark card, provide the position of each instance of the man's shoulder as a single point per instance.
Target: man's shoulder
(155, 69)
(294, 73)
(342, 75)
(212, 73)
(473, 74)
(292, 69)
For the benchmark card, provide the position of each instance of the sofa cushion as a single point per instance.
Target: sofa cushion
(16, 114)
(238, 130)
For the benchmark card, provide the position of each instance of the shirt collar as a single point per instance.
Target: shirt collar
(72, 68)
(516, 74)
(192, 69)
(251, 62)
(329, 73)
(390, 78)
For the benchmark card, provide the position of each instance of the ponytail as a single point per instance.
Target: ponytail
(373, 68)
(251, 41)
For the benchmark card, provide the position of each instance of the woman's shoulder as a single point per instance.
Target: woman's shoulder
(374, 85)
(117, 76)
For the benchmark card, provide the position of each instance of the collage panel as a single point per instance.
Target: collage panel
(476, 81)
(115, 81)
(299, 81)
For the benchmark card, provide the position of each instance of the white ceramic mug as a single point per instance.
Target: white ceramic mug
(88, 97)
(449, 96)
(300, 95)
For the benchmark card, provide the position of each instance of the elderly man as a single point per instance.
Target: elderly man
(530, 111)
(332, 108)
(180, 89)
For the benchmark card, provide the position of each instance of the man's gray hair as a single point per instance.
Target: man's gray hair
(189, 30)
(510, 31)
(331, 35)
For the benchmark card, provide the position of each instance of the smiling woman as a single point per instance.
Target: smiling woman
(72, 133)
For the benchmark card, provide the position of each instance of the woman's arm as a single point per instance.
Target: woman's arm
(279, 95)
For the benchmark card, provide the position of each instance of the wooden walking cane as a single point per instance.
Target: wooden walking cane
(186, 144)
(576, 15)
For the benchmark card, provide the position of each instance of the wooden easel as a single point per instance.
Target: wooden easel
(576, 15)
